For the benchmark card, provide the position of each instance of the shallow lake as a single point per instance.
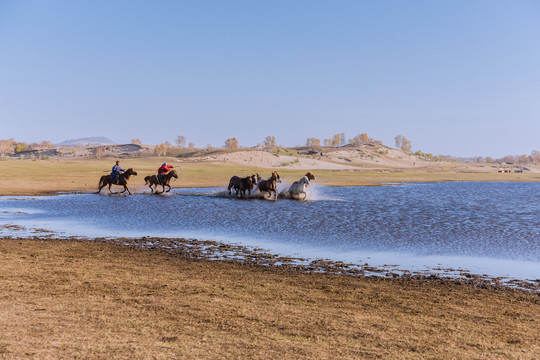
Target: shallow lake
(487, 228)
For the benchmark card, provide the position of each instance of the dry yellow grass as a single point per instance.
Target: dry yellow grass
(85, 299)
(39, 177)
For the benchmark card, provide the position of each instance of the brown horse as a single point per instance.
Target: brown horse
(122, 181)
(269, 185)
(241, 185)
(166, 179)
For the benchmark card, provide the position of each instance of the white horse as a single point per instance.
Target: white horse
(300, 186)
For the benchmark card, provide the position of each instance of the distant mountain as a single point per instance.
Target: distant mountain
(98, 140)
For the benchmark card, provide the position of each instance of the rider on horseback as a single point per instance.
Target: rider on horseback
(116, 171)
(162, 171)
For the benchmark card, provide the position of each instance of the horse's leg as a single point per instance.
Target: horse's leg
(126, 188)
(305, 195)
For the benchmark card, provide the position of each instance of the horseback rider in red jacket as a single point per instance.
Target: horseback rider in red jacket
(163, 170)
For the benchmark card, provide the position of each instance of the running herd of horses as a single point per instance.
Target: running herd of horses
(238, 184)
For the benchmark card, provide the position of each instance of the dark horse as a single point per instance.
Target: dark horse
(152, 180)
(122, 181)
(241, 185)
(269, 185)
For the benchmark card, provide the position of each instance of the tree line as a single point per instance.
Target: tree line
(10, 146)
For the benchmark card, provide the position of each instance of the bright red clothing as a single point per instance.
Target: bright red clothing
(164, 169)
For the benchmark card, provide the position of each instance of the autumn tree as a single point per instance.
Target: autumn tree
(313, 142)
(191, 145)
(231, 143)
(360, 139)
(161, 149)
(46, 145)
(269, 142)
(327, 142)
(180, 141)
(20, 146)
(6, 147)
(136, 141)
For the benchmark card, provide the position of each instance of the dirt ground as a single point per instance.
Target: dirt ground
(90, 299)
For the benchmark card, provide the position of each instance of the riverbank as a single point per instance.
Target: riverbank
(48, 177)
(70, 298)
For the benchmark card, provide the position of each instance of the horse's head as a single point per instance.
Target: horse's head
(174, 174)
(130, 172)
(310, 176)
(276, 177)
(255, 179)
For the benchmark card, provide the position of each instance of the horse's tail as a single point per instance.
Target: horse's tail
(230, 186)
(101, 182)
(147, 180)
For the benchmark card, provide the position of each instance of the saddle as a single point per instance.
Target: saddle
(115, 179)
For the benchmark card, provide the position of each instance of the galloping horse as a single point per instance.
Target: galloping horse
(299, 187)
(122, 181)
(241, 185)
(153, 180)
(269, 185)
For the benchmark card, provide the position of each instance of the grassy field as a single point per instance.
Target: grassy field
(34, 177)
(89, 299)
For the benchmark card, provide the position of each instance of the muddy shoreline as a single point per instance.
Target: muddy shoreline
(217, 251)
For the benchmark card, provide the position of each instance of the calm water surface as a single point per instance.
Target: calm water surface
(492, 228)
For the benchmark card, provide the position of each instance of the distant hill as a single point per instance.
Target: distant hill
(98, 140)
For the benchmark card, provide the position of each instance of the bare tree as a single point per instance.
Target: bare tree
(191, 145)
(270, 142)
(535, 156)
(180, 141)
(398, 139)
(231, 143)
(327, 142)
(342, 139)
(136, 141)
(99, 151)
(403, 143)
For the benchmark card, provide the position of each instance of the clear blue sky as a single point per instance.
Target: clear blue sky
(455, 77)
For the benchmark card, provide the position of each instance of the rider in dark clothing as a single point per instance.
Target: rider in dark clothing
(116, 171)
